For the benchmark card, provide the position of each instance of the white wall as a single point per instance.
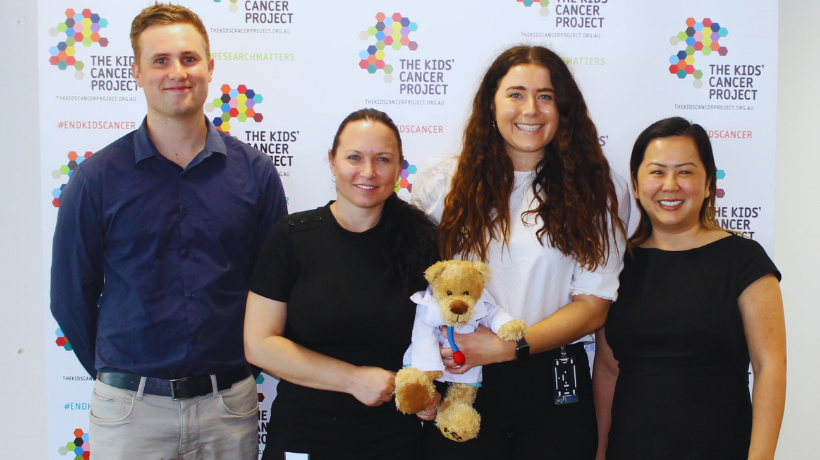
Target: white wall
(797, 247)
(22, 344)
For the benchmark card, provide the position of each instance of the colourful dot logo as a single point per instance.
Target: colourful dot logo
(721, 174)
(79, 29)
(544, 4)
(80, 448)
(389, 31)
(239, 103)
(404, 178)
(700, 37)
(62, 341)
(259, 380)
(74, 160)
(233, 7)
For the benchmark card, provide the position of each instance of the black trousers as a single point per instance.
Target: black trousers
(519, 417)
(410, 454)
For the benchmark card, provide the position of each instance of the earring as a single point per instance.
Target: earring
(494, 126)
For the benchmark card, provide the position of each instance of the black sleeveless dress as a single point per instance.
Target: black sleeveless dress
(676, 330)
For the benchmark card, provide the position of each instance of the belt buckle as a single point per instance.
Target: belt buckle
(172, 383)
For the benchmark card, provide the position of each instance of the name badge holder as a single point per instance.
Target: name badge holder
(566, 390)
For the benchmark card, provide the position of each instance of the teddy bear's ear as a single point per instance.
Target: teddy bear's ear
(484, 269)
(432, 273)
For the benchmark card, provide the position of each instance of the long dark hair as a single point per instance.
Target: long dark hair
(671, 127)
(410, 234)
(576, 199)
(411, 244)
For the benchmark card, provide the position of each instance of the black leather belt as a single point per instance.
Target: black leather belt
(185, 388)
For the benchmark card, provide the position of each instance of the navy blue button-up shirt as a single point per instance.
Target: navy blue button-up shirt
(167, 253)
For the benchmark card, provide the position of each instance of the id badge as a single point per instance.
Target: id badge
(566, 392)
(295, 456)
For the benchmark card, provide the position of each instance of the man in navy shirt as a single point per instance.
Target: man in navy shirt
(161, 229)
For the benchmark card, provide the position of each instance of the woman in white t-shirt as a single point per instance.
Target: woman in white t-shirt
(533, 196)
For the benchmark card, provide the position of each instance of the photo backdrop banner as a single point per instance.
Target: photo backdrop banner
(287, 72)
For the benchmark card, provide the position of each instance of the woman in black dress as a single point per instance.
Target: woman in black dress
(329, 310)
(695, 305)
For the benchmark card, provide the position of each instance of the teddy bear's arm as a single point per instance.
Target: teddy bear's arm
(424, 354)
(502, 323)
(512, 331)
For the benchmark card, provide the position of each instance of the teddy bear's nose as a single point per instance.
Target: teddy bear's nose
(459, 307)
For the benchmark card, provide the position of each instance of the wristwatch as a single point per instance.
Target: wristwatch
(522, 350)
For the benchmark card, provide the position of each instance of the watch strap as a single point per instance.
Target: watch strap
(522, 349)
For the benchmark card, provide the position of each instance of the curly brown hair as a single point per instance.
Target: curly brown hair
(576, 199)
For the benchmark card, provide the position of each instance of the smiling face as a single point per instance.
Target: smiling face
(366, 165)
(672, 184)
(526, 113)
(174, 70)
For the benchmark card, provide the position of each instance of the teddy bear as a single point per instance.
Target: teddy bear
(455, 298)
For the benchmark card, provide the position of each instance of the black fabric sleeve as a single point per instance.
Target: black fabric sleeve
(275, 271)
(754, 264)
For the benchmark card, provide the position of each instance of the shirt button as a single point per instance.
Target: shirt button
(194, 339)
(186, 253)
(191, 295)
(184, 212)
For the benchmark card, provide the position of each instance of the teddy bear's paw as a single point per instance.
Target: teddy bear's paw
(458, 422)
(414, 388)
(512, 331)
(412, 398)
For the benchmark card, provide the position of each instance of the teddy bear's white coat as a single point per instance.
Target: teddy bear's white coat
(423, 353)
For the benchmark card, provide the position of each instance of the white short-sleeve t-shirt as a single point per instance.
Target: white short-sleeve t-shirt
(529, 280)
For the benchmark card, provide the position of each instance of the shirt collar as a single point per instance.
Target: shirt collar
(144, 148)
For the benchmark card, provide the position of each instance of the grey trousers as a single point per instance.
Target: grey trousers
(132, 425)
